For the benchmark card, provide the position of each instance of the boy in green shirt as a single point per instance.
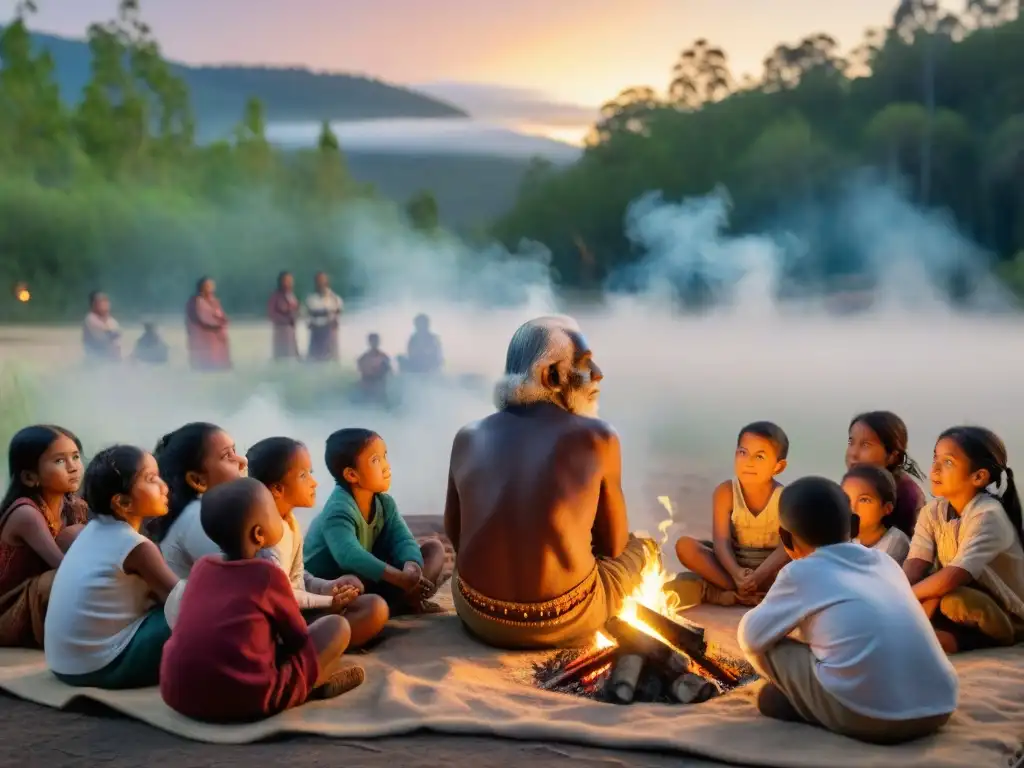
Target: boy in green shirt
(360, 531)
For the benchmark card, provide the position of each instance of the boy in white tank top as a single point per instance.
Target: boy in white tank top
(742, 560)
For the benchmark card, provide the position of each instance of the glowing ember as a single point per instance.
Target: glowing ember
(588, 679)
(651, 593)
(21, 292)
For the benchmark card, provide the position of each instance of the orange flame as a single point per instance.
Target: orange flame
(23, 295)
(651, 593)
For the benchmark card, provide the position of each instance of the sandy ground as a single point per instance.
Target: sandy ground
(35, 736)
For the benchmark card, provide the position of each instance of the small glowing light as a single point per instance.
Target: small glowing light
(24, 295)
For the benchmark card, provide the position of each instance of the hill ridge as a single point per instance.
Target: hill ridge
(219, 91)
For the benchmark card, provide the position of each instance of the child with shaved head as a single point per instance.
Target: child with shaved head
(240, 649)
(868, 665)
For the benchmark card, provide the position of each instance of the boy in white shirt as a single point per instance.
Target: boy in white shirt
(868, 665)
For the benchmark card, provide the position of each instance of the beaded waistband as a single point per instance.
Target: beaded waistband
(528, 613)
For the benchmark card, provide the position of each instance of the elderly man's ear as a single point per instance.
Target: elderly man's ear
(550, 378)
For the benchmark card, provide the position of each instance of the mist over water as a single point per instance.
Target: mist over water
(677, 388)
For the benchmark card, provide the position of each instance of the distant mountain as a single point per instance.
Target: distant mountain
(436, 136)
(499, 102)
(471, 190)
(219, 93)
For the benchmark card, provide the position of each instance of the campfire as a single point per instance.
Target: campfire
(648, 653)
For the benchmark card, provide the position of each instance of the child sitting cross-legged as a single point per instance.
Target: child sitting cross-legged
(240, 650)
(740, 563)
(868, 664)
(361, 532)
(285, 467)
(966, 559)
(105, 625)
(39, 518)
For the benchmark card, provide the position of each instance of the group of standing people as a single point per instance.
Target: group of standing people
(323, 310)
(206, 323)
(206, 327)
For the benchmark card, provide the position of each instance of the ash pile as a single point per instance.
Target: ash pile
(670, 664)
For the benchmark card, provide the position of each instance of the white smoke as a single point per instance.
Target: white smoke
(677, 388)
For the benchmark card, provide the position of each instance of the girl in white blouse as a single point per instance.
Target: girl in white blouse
(872, 493)
(966, 561)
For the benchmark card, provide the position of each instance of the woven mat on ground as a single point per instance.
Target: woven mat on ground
(427, 674)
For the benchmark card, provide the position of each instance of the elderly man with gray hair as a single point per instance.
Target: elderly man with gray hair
(535, 508)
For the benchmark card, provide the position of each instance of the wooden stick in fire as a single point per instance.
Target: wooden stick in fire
(625, 677)
(582, 666)
(690, 640)
(657, 651)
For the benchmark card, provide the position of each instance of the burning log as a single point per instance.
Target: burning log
(581, 666)
(658, 651)
(625, 677)
(690, 640)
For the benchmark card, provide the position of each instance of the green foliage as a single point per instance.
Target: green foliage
(117, 193)
(423, 212)
(934, 104)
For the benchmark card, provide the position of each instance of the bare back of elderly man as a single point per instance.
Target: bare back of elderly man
(535, 508)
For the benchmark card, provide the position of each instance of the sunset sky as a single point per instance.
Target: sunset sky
(577, 51)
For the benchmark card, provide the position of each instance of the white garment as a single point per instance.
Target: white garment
(186, 541)
(99, 327)
(894, 542)
(750, 531)
(288, 555)
(323, 310)
(877, 653)
(95, 607)
(172, 605)
(981, 541)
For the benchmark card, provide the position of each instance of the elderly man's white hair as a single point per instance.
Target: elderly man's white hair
(535, 345)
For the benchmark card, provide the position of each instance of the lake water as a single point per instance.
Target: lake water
(442, 135)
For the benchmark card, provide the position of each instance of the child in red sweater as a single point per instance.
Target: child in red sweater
(240, 649)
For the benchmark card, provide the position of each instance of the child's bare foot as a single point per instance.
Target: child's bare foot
(750, 600)
(342, 681)
(426, 607)
(717, 596)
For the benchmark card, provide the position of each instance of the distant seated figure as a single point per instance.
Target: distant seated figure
(150, 348)
(101, 334)
(374, 370)
(423, 354)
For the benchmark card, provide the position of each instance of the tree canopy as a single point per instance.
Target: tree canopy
(933, 104)
(114, 191)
